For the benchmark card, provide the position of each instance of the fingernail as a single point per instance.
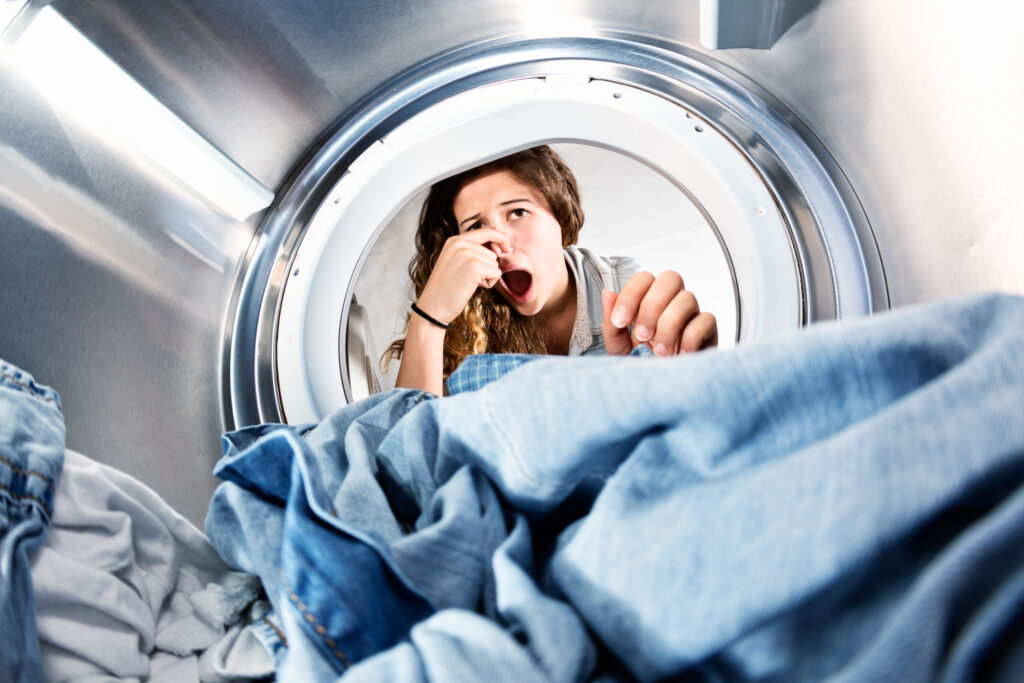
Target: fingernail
(619, 318)
(641, 333)
(660, 349)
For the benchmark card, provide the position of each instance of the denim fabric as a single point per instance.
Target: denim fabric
(481, 369)
(31, 456)
(276, 518)
(478, 370)
(845, 504)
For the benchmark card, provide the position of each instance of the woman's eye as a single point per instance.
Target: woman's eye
(518, 213)
(475, 226)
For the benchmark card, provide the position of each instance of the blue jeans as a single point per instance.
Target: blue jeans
(31, 457)
(846, 503)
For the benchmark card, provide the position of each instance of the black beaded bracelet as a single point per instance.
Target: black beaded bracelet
(418, 311)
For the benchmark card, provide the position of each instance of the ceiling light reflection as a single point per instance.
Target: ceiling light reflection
(74, 75)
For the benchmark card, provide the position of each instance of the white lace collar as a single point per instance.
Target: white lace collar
(582, 336)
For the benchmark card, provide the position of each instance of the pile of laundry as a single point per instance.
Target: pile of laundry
(843, 503)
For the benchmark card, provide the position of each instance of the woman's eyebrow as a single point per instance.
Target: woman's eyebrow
(475, 216)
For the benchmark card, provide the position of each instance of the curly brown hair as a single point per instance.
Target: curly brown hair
(488, 323)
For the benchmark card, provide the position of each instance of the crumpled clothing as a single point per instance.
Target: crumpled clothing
(126, 587)
(31, 457)
(478, 370)
(845, 503)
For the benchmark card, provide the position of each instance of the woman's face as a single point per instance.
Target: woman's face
(534, 276)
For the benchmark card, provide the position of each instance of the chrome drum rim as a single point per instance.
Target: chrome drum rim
(834, 252)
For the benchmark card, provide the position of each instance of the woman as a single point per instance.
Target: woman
(496, 271)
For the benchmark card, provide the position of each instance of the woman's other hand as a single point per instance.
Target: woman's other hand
(467, 261)
(664, 315)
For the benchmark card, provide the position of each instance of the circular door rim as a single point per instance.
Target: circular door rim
(837, 254)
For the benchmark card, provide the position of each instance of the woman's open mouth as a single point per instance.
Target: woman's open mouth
(519, 285)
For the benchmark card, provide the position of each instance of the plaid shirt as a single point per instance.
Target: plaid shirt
(477, 371)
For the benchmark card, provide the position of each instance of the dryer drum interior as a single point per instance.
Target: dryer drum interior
(786, 230)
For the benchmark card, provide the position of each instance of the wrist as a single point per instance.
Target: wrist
(420, 327)
(425, 315)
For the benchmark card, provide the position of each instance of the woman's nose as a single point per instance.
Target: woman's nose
(506, 228)
(498, 248)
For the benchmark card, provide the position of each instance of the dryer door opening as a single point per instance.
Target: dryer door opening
(775, 236)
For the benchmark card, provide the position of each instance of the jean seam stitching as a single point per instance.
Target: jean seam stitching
(24, 472)
(28, 496)
(276, 630)
(321, 631)
(23, 385)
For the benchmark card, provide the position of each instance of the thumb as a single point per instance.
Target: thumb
(616, 340)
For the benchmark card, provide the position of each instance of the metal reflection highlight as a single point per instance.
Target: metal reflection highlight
(76, 77)
(9, 11)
